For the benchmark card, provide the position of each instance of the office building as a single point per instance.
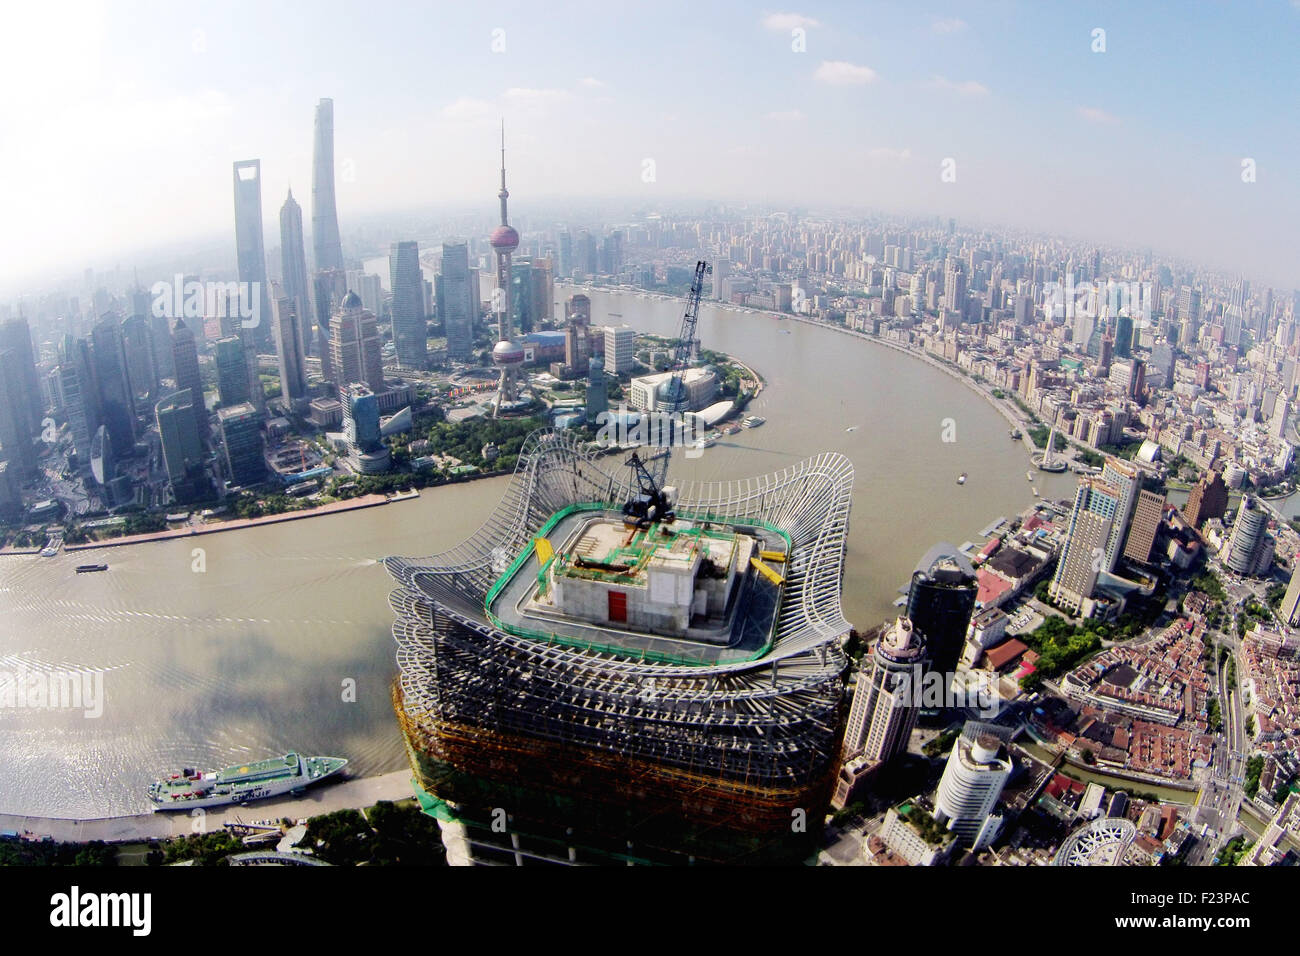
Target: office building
(16, 445)
(138, 350)
(597, 392)
(1083, 555)
(329, 288)
(978, 768)
(886, 703)
(77, 409)
(1144, 526)
(457, 300)
(289, 350)
(410, 334)
(250, 254)
(355, 346)
(182, 445)
(1289, 611)
(1246, 546)
(233, 386)
(293, 261)
(116, 402)
(371, 289)
(620, 346)
(1208, 499)
(1127, 481)
(241, 439)
(1124, 337)
(940, 600)
(326, 244)
(907, 833)
(577, 344)
(16, 334)
(370, 456)
(185, 360)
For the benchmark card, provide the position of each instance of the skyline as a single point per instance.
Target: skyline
(1144, 126)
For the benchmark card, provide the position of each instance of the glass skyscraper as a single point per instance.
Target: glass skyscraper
(410, 334)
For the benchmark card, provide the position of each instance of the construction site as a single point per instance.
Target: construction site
(609, 741)
(613, 670)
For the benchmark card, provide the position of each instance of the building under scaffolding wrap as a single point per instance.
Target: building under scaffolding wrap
(553, 726)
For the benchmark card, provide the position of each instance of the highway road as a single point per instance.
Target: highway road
(1222, 795)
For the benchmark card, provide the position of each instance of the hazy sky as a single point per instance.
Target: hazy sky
(120, 122)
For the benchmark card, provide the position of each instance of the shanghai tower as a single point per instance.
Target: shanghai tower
(326, 246)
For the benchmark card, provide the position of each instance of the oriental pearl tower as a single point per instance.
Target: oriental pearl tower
(508, 355)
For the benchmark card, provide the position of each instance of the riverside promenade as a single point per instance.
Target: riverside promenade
(239, 524)
(324, 798)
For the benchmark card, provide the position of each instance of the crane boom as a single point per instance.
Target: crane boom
(649, 473)
(687, 347)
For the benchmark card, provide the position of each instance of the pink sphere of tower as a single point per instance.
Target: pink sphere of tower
(504, 237)
(507, 353)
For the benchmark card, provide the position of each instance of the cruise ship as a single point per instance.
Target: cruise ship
(190, 789)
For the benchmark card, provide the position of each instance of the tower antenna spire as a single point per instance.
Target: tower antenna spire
(505, 193)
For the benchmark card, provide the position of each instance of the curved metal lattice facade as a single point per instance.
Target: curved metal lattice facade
(1103, 842)
(747, 738)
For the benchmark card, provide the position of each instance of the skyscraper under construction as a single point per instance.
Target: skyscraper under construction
(578, 687)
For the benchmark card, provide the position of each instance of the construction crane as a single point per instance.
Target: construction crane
(652, 501)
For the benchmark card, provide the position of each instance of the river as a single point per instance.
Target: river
(252, 655)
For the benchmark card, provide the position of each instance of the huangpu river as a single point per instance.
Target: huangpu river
(278, 638)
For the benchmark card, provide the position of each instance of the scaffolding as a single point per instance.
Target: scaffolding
(615, 741)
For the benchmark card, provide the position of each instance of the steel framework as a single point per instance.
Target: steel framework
(742, 744)
(1103, 842)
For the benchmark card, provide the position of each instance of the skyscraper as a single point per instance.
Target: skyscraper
(620, 344)
(1248, 535)
(117, 404)
(73, 383)
(289, 348)
(161, 331)
(565, 264)
(329, 287)
(233, 386)
(355, 347)
(577, 348)
(249, 246)
(1290, 609)
(885, 706)
(597, 392)
(1127, 480)
(1124, 336)
(185, 359)
(1083, 556)
(940, 600)
(686, 771)
(241, 437)
(507, 353)
(326, 245)
(182, 445)
(410, 334)
(1146, 522)
(1207, 499)
(15, 334)
(15, 434)
(978, 768)
(457, 300)
(141, 365)
(293, 263)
